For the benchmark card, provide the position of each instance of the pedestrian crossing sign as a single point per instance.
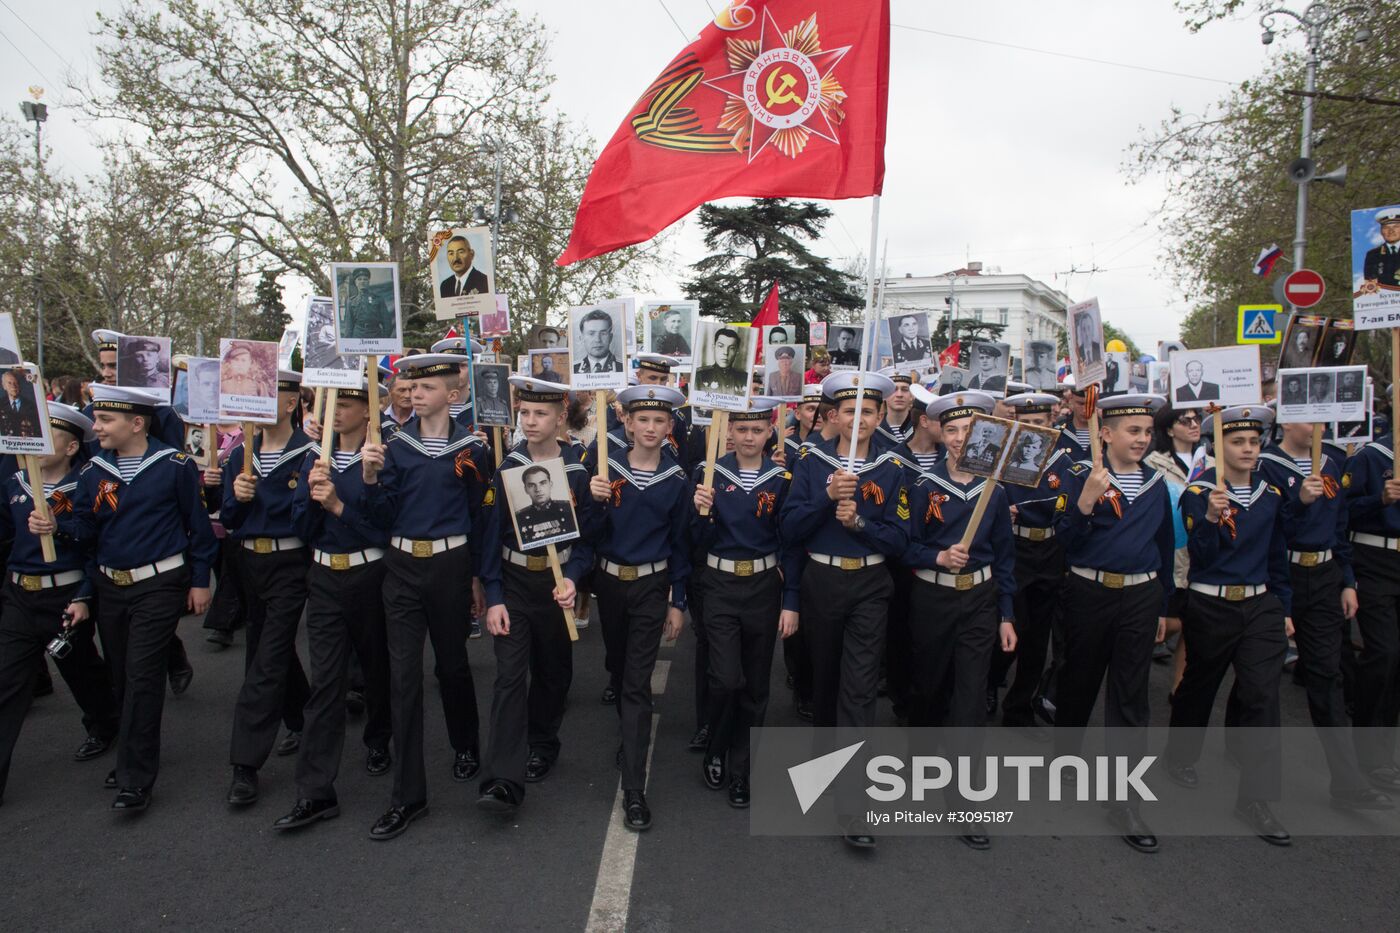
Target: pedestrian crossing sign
(1260, 324)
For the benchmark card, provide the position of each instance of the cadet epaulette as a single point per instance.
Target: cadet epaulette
(181, 457)
(1080, 468)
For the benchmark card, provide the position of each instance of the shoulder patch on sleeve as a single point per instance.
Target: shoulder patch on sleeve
(902, 510)
(1060, 502)
(1190, 522)
(180, 457)
(787, 474)
(1346, 479)
(1194, 489)
(489, 498)
(1079, 469)
(802, 452)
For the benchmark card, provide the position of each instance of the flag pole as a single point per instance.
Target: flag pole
(869, 309)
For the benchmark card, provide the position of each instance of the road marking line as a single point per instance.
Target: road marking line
(612, 891)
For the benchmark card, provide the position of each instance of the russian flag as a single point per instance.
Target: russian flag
(1265, 263)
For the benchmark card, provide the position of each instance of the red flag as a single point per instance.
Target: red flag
(767, 316)
(451, 332)
(776, 98)
(949, 357)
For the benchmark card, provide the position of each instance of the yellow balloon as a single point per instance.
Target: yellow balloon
(1117, 346)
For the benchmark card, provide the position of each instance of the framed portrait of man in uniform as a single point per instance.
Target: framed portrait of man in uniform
(491, 393)
(541, 510)
(547, 337)
(1086, 344)
(247, 381)
(464, 272)
(910, 348)
(598, 358)
(368, 319)
(144, 363)
(724, 364)
(1375, 267)
(783, 366)
(667, 327)
(1029, 451)
(843, 345)
(986, 443)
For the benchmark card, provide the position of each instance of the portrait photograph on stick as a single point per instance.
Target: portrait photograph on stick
(10, 353)
(816, 334)
(24, 422)
(596, 348)
(667, 327)
(724, 364)
(144, 363)
(1338, 342)
(1223, 376)
(952, 379)
(1375, 267)
(1030, 449)
(989, 364)
(491, 393)
(540, 509)
(986, 443)
(783, 366)
(1318, 394)
(549, 365)
(197, 441)
(909, 341)
(496, 322)
(200, 379)
(1086, 343)
(247, 381)
(546, 337)
(844, 342)
(322, 362)
(463, 271)
(1038, 368)
(1358, 431)
(1301, 340)
(367, 315)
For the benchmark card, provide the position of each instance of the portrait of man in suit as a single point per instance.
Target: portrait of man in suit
(1086, 343)
(595, 339)
(465, 279)
(19, 413)
(1196, 388)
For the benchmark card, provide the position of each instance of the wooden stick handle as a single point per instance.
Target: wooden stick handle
(211, 443)
(372, 384)
(1095, 447)
(41, 504)
(600, 418)
(1219, 438)
(978, 511)
(714, 439)
(559, 581)
(328, 426)
(248, 429)
(318, 407)
(1317, 449)
(499, 443)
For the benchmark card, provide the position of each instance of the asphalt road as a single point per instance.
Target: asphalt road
(67, 863)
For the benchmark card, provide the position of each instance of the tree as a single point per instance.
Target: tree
(754, 245)
(270, 317)
(1227, 192)
(1110, 333)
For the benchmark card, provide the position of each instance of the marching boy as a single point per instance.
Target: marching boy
(138, 504)
(750, 592)
(43, 600)
(344, 612)
(1116, 524)
(257, 511)
(643, 564)
(424, 487)
(524, 608)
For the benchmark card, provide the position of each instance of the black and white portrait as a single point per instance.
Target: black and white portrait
(596, 347)
(1300, 341)
(549, 365)
(989, 364)
(144, 363)
(909, 340)
(197, 441)
(986, 441)
(952, 379)
(491, 393)
(367, 315)
(1315, 395)
(1321, 389)
(537, 496)
(1196, 388)
(1030, 450)
(1351, 386)
(667, 328)
(1294, 390)
(463, 272)
(1117, 372)
(724, 364)
(547, 337)
(1038, 370)
(200, 378)
(1086, 346)
(843, 344)
(1337, 342)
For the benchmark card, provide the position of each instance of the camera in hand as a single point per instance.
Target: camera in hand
(59, 647)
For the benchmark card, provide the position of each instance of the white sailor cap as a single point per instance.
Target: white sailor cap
(812, 392)
(1068, 385)
(420, 365)
(68, 418)
(288, 380)
(1240, 418)
(1389, 215)
(642, 398)
(1031, 403)
(760, 409)
(124, 399)
(845, 384)
(1116, 406)
(922, 396)
(530, 389)
(457, 346)
(1017, 388)
(106, 339)
(656, 362)
(957, 405)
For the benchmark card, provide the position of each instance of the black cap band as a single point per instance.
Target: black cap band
(952, 414)
(126, 408)
(1126, 410)
(875, 395)
(1244, 424)
(648, 404)
(436, 369)
(655, 366)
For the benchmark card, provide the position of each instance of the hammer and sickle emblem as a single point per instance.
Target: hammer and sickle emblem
(784, 93)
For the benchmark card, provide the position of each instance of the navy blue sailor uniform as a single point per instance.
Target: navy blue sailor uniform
(1375, 540)
(1040, 577)
(753, 574)
(1319, 558)
(898, 659)
(152, 542)
(525, 718)
(643, 568)
(344, 613)
(846, 588)
(272, 561)
(954, 617)
(36, 593)
(1120, 578)
(428, 501)
(1239, 595)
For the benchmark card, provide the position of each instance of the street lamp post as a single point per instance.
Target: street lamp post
(37, 113)
(1315, 20)
(480, 216)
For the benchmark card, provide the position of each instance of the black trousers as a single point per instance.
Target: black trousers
(28, 622)
(798, 662)
(136, 624)
(344, 616)
(428, 599)
(1249, 637)
(843, 613)
(1040, 574)
(741, 617)
(953, 634)
(1318, 625)
(274, 684)
(534, 668)
(898, 645)
(695, 588)
(633, 613)
(1377, 681)
(226, 611)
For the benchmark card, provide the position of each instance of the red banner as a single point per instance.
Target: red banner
(776, 98)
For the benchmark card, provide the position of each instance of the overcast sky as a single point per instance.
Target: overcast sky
(995, 154)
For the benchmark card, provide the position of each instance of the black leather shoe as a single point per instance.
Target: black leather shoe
(1184, 775)
(132, 799)
(244, 789)
(700, 740)
(395, 821)
(1386, 779)
(739, 793)
(180, 680)
(289, 745)
(93, 747)
(497, 798)
(856, 834)
(978, 841)
(991, 702)
(537, 768)
(308, 811)
(1135, 832)
(1261, 819)
(609, 697)
(355, 702)
(712, 768)
(636, 815)
(1044, 709)
(1362, 799)
(378, 761)
(465, 766)
(219, 639)
(110, 781)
